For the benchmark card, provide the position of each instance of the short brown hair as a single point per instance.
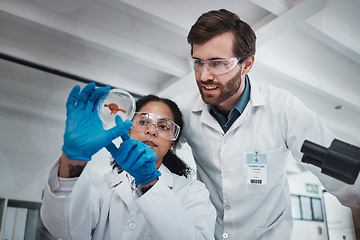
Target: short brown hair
(216, 22)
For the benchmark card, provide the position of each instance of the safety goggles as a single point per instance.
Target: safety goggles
(164, 127)
(215, 66)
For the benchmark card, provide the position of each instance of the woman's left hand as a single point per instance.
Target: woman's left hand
(135, 157)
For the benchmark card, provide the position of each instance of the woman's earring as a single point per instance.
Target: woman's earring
(171, 148)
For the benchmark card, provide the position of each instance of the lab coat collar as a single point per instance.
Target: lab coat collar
(166, 176)
(199, 104)
(256, 98)
(204, 109)
(115, 178)
(120, 183)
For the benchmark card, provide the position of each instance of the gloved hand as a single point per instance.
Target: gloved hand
(84, 132)
(134, 157)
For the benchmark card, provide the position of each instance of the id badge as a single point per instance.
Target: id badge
(256, 169)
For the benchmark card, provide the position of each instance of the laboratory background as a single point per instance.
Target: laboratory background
(309, 47)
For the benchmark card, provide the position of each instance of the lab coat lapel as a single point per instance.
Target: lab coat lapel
(256, 99)
(122, 187)
(122, 184)
(125, 193)
(206, 117)
(166, 176)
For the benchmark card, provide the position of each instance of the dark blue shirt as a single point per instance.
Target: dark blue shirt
(226, 122)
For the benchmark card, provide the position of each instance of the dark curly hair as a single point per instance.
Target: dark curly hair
(171, 160)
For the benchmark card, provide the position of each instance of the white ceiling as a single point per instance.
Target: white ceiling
(310, 47)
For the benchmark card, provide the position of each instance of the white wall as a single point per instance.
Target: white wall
(32, 121)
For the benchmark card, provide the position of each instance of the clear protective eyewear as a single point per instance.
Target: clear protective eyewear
(215, 66)
(164, 127)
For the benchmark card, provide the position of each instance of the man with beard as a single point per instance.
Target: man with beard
(242, 131)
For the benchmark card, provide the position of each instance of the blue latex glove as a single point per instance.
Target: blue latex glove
(84, 132)
(134, 157)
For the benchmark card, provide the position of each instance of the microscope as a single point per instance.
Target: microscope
(341, 160)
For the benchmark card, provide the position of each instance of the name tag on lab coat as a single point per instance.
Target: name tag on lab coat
(256, 169)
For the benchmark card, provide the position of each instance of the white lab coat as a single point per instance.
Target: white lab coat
(274, 123)
(174, 208)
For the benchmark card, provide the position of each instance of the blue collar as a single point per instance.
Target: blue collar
(226, 122)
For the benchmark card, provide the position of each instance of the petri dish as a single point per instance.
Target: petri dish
(117, 102)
